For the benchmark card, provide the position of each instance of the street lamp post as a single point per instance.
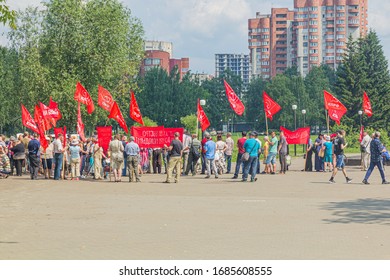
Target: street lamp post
(361, 124)
(295, 107)
(304, 124)
(202, 102)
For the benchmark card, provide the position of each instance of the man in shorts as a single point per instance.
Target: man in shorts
(273, 150)
(339, 146)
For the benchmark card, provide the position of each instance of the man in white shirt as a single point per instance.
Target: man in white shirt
(58, 151)
(365, 149)
(187, 140)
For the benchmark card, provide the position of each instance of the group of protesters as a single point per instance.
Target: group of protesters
(73, 159)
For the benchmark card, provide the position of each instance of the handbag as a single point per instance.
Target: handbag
(321, 153)
(246, 155)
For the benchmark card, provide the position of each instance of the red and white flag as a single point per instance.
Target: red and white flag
(48, 114)
(270, 106)
(42, 123)
(367, 105)
(135, 112)
(55, 112)
(203, 120)
(105, 99)
(80, 124)
(235, 102)
(116, 114)
(82, 95)
(336, 109)
(27, 120)
(299, 136)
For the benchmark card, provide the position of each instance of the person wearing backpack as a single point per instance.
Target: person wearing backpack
(194, 155)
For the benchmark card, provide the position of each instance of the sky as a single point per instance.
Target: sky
(199, 29)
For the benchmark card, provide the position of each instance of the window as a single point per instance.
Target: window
(313, 44)
(280, 29)
(281, 22)
(314, 58)
(281, 15)
(313, 30)
(313, 22)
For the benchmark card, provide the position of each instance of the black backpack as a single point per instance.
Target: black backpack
(195, 152)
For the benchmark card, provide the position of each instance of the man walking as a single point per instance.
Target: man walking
(132, 151)
(229, 151)
(252, 147)
(339, 146)
(33, 156)
(376, 150)
(210, 148)
(58, 151)
(282, 149)
(176, 151)
(241, 151)
(365, 149)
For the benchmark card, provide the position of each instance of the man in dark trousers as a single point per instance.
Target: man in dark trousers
(376, 150)
(33, 156)
(241, 151)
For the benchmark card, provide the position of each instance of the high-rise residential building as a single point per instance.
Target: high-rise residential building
(315, 33)
(237, 63)
(159, 54)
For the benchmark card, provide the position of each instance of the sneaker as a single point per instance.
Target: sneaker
(385, 183)
(349, 180)
(254, 180)
(331, 181)
(243, 180)
(365, 182)
(273, 173)
(216, 177)
(235, 177)
(208, 176)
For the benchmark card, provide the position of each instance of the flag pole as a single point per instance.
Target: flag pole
(266, 123)
(327, 120)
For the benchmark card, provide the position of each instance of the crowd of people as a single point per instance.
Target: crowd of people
(74, 159)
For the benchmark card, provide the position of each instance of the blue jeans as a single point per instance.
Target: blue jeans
(371, 168)
(238, 164)
(125, 165)
(251, 164)
(228, 159)
(58, 165)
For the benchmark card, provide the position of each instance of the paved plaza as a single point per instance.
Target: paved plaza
(295, 216)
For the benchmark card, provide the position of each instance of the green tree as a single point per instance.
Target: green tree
(189, 122)
(253, 100)
(7, 15)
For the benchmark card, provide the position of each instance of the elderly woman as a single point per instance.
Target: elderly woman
(18, 155)
(116, 153)
(5, 166)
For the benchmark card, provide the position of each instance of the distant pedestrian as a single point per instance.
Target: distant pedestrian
(19, 156)
(273, 150)
(376, 150)
(175, 150)
(74, 150)
(252, 147)
(116, 153)
(339, 147)
(282, 150)
(133, 151)
(58, 151)
(328, 154)
(194, 155)
(241, 151)
(33, 155)
(210, 148)
(318, 144)
(365, 150)
(309, 156)
(229, 152)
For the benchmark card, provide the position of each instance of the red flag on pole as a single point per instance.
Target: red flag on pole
(47, 114)
(367, 105)
(135, 112)
(117, 115)
(80, 124)
(105, 99)
(235, 102)
(40, 120)
(58, 130)
(55, 112)
(82, 95)
(299, 136)
(336, 109)
(28, 121)
(270, 106)
(203, 120)
(361, 133)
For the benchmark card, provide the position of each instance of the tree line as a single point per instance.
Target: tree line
(101, 42)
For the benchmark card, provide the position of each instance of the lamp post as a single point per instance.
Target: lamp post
(304, 115)
(361, 117)
(295, 107)
(202, 102)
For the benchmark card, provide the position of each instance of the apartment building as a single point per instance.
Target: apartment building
(315, 32)
(237, 63)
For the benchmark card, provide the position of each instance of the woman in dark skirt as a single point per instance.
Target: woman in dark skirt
(309, 156)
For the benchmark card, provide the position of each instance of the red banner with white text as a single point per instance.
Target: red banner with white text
(104, 136)
(155, 137)
(299, 136)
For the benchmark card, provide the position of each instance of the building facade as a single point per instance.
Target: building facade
(239, 64)
(314, 33)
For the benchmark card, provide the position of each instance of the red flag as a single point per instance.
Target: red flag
(235, 102)
(203, 120)
(55, 112)
(104, 136)
(299, 136)
(361, 133)
(58, 130)
(367, 105)
(117, 115)
(105, 99)
(80, 125)
(43, 141)
(28, 121)
(47, 114)
(82, 95)
(336, 109)
(270, 106)
(135, 113)
(40, 120)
